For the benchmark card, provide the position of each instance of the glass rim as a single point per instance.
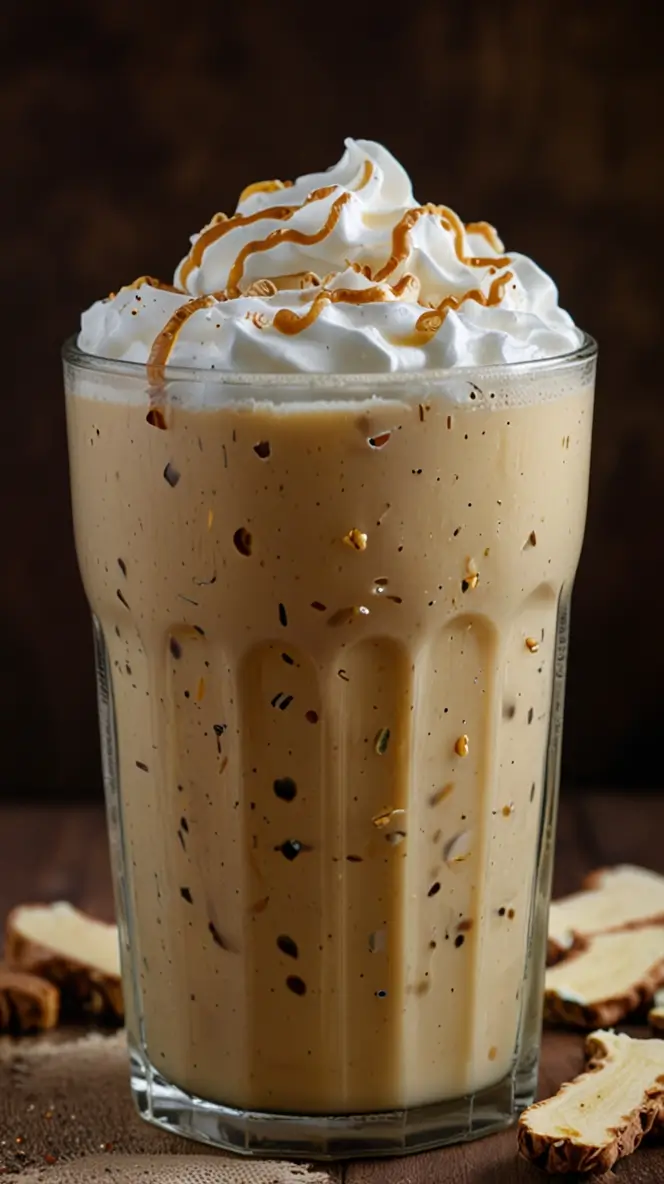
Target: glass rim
(73, 355)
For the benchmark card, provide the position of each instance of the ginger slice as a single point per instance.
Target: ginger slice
(71, 949)
(602, 983)
(656, 1013)
(621, 897)
(28, 1003)
(603, 1114)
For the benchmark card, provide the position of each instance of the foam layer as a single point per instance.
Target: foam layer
(340, 272)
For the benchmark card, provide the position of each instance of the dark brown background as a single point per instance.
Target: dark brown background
(128, 124)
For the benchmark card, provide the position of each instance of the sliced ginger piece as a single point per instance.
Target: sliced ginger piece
(601, 984)
(656, 1013)
(603, 1114)
(28, 1003)
(77, 953)
(622, 897)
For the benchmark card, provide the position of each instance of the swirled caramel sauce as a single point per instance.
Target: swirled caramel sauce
(431, 320)
(288, 235)
(450, 221)
(488, 232)
(367, 174)
(152, 283)
(165, 340)
(221, 227)
(290, 323)
(263, 187)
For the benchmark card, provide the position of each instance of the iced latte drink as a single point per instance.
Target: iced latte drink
(329, 492)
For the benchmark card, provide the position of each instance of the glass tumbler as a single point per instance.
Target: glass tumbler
(330, 618)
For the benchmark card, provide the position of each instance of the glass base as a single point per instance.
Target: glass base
(323, 1137)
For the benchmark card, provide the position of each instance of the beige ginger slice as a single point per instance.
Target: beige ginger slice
(656, 1013)
(621, 897)
(602, 983)
(28, 1003)
(603, 1114)
(77, 953)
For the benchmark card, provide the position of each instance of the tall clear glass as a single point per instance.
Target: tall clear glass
(331, 620)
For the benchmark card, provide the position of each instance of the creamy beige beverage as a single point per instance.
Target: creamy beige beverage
(332, 743)
(331, 616)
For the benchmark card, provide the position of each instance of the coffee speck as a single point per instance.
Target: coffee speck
(287, 946)
(216, 936)
(291, 848)
(171, 474)
(156, 418)
(243, 541)
(285, 788)
(379, 441)
(381, 741)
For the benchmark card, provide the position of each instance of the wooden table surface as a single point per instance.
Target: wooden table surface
(51, 852)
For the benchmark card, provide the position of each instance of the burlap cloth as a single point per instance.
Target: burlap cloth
(66, 1115)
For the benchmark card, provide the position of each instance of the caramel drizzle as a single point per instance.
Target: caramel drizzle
(163, 343)
(450, 221)
(488, 232)
(152, 283)
(263, 187)
(367, 174)
(290, 282)
(288, 322)
(288, 235)
(431, 321)
(221, 227)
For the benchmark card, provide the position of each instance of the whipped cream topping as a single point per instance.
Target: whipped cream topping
(338, 272)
